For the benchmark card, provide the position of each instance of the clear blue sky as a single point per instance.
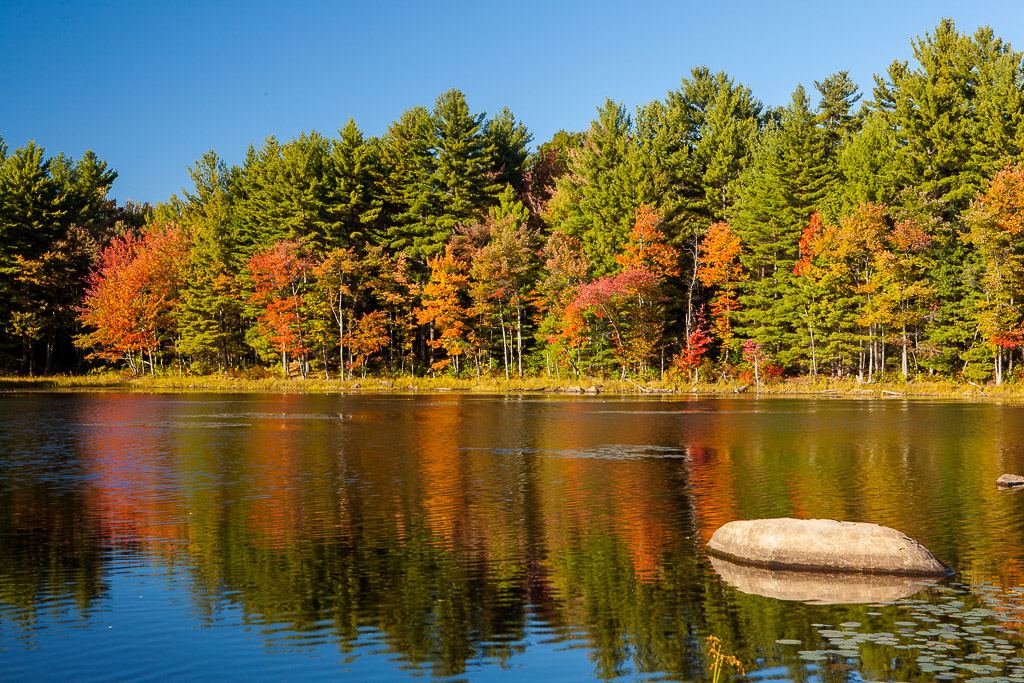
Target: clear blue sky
(150, 86)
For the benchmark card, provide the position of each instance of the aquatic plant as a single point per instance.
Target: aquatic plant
(719, 658)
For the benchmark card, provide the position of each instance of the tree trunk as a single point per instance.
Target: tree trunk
(906, 343)
(431, 345)
(814, 360)
(504, 344)
(341, 339)
(519, 338)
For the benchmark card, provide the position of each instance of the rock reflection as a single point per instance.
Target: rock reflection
(818, 588)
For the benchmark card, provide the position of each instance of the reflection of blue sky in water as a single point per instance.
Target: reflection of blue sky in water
(149, 625)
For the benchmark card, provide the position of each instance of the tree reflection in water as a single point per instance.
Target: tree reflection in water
(458, 532)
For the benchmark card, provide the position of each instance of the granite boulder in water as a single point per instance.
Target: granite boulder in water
(824, 545)
(1010, 480)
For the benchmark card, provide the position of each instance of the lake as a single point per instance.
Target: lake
(465, 537)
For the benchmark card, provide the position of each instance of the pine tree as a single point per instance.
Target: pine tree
(285, 194)
(354, 197)
(464, 158)
(838, 95)
(407, 167)
(712, 121)
(210, 311)
(776, 197)
(596, 200)
(707, 129)
(956, 116)
(509, 139)
(31, 218)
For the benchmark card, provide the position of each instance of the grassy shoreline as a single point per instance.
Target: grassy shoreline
(577, 386)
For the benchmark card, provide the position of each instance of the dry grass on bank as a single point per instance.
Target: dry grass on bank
(791, 387)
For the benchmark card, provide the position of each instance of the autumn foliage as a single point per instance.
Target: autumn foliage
(280, 277)
(132, 296)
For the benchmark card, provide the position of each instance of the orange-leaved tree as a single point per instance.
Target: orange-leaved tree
(718, 266)
(369, 335)
(697, 343)
(995, 222)
(132, 295)
(280, 275)
(443, 308)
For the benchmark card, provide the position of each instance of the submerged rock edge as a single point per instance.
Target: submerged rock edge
(824, 545)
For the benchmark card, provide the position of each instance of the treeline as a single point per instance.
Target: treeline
(703, 233)
(55, 219)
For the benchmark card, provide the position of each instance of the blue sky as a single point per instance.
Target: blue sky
(150, 86)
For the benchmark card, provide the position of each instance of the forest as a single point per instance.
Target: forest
(867, 235)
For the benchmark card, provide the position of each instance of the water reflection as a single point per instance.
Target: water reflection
(821, 588)
(467, 536)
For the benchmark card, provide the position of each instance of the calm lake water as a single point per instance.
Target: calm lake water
(165, 536)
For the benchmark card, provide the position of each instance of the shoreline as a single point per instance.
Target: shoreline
(797, 387)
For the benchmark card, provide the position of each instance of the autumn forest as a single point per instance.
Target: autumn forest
(873, 234)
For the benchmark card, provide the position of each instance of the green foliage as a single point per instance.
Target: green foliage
(711, 123)
(786, 180)
(509, 139)
(843, 240)
(955, 117)
(838, 95)
(354, 196)
(596, 199)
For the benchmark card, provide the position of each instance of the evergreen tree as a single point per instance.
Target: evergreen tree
(31, 211)
(354, 197)
(597, 199)
(704, 138)
(286, 194)
(509, 140)
(407, 167)
(31, 216)
(712, 122)
(464, 157)
(838, 95)
(209, 316)
(776, 196)
(956, 117)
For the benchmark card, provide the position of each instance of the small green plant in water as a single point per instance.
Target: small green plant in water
(718, 658)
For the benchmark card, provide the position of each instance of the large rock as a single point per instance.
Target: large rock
(1008, 480)
(820, 588)
(824, 545)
